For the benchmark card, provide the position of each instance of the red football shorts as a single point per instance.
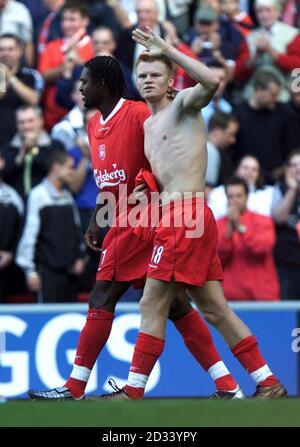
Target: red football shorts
(185, 244)
(124, 257)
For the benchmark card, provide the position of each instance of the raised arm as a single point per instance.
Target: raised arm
(207, 82)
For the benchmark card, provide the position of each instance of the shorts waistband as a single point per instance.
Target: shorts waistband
(185, 201)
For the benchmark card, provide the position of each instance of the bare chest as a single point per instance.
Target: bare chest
(158, 137)
(166, 138)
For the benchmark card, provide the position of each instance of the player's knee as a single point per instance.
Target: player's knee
(152, 308)
(101, 298)
(213, 316)
(96, 300)
(216, 314)
(145, 306)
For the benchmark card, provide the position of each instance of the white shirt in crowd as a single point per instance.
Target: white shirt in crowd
(259, 201)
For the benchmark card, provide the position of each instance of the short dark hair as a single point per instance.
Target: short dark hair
(56, 155)
(263, 78)
(144, 57)
(102, 28)
(221, 120)
(107, 69)
(234, 180)
(12, 36)
(76, 6)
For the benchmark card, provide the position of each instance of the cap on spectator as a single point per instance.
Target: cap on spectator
(206, 14)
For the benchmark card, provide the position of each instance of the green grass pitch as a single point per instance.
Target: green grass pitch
(152, 413)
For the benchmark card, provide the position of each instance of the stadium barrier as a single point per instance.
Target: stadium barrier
(38, 343)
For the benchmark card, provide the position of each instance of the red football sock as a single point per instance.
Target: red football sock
(146, 352)
(199, 342)
(249, 355)
(91, 341)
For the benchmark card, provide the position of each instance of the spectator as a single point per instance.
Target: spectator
(274, 46)
(294, 112)
(104, 43)
(24, 85)
(204, 39)
(222, 130)
(49, 249)
(246, 242)
(26, 156)
(177, 13)
(72, 125)
(82, 183)
(130, 7)
(264, 125)
(83, 186)
(218, 103)
(214, 4)
(214, 37)
(11, 215)
(62, 55)
(241, 20)
(38, 12)
(15, 19)
(108, 13)
(50, 29)
(260, 196)
(286, 213)
(120, 12)
(291, 12)
(148, 15)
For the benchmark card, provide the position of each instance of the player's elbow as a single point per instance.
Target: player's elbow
(214, 82)
(210, 87)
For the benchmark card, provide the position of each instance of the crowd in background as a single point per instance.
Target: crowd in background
(47, 190)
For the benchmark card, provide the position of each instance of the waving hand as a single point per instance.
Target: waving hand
(151, 41)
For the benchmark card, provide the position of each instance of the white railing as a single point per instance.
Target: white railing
(134, 307)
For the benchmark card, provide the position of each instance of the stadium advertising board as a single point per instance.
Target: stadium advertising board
(38, 345)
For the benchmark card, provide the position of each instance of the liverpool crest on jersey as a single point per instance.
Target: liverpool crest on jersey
(102, 151)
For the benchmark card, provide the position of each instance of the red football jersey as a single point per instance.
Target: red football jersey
(117, 146)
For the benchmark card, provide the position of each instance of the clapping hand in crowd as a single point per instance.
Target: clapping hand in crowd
(233, 214)
(29, 144)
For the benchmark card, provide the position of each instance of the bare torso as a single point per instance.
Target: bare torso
(175, 145)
